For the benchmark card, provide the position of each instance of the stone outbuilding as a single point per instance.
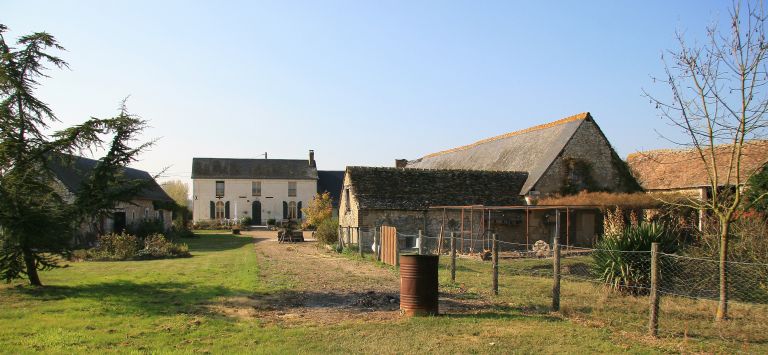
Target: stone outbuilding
(560, 157)
(402, 197)
(149, 204)
(683, 170)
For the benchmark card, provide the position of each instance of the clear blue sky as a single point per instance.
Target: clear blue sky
(360, 82)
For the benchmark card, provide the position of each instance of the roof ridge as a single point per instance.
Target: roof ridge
(688, 150)
(577, 117)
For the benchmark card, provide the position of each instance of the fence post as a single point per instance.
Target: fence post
(653, 321)
(397, 250)
(359, 242)
(377, 242)
(495, 259)
(453, 257)
(341, 237)
(421, 243)
(556, 274)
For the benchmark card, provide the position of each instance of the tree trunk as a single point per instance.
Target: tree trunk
(722, 307)
(29, 260)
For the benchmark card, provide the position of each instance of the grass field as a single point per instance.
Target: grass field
(167, 306)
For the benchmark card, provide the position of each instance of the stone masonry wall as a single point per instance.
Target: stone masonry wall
(588, 145)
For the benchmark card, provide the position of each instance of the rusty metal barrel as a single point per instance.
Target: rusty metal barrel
(418, 284)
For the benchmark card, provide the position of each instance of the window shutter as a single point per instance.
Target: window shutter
(213, 210)
(298, 210)
(226, 210)
(285, 210)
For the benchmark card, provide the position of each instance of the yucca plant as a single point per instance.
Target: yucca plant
(623, 261)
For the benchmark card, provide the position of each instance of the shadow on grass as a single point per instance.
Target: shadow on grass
(127, 297)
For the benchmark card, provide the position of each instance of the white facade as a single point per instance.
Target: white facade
(240, 195)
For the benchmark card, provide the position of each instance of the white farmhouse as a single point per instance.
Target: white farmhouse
(263, 189)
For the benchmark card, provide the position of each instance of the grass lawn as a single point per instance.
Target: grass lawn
(165, 306)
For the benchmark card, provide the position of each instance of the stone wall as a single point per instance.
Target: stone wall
(588, 145)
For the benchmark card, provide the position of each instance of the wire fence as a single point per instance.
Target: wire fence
(607, 288)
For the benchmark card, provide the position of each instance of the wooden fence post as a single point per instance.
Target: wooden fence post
(359, 242)
(377, 241)
(341, 237)
(495, 259)
(453, 257)
(653, 321)
(421, 243)
(397, 250)
(556, 272)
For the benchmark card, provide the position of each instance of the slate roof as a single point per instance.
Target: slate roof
(332, 182)
(228, 168)
(668, 169)
(418, 189)
(73, 174)
(531, 150)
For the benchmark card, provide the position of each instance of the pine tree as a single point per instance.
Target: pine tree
(36, 223)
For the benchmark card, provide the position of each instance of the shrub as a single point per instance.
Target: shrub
(327, 231)
(271, 222)
(144, 229)
(157, 246)
(210, 225)
(623, 261)
(79, 255)
(114, 246)
(246, 221)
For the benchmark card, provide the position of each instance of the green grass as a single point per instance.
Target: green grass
(164, 306)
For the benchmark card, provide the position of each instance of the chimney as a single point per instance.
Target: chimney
(312, 158)
(401, 163)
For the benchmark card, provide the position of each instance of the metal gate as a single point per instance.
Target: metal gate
(389, 247)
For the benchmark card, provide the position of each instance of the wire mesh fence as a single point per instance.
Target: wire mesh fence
(606, 288)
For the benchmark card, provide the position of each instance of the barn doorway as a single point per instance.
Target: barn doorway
(118, 222)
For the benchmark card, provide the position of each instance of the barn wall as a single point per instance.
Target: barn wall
(589, 145)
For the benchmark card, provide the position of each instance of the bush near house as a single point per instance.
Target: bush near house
(146, 228)
(210, 225)
(124, 246)
(327, 231)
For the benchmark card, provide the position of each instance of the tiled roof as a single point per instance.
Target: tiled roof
(228, 168)
(667, 169)
(73, 173)
(417, 189)
(531, 150)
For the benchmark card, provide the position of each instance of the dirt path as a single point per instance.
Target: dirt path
(325, 287)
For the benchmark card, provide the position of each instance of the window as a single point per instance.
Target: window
(219, 210)
(219, 188)
(292, 211)
(146, 213)
(346, 199)
(256, 188)
(292, 189)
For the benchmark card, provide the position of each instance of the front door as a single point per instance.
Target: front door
(118, 222)
(256, 212)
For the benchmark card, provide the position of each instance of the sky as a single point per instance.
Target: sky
(360, 82)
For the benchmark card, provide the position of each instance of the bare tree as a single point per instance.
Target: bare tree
(719, 101)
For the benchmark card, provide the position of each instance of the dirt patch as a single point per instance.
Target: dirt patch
(326, 288)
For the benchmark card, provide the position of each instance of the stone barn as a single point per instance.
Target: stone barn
(429, 200)
(372, 197)
(560, 157)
